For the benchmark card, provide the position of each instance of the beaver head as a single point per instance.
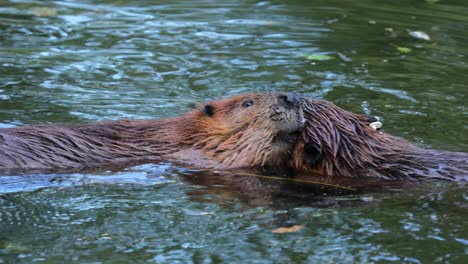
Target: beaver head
(249, 130)
(338, 143)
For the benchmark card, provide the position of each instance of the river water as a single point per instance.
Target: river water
(84, 61)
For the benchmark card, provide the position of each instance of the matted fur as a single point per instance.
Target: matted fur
(344, 145)
(251, 130)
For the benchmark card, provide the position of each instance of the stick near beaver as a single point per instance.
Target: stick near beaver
(251, 130)
(338, 143)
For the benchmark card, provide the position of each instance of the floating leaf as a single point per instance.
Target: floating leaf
(318, 57)
(402, 49)
(43, 11)
(13, 247)
(419, 35)
(291, 229)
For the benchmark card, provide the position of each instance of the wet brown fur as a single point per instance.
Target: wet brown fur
(220, 134)
(338, 143)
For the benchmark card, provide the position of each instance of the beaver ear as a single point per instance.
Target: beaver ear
(208, 110)
(312, 154)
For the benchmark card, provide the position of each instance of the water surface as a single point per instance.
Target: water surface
(84, 61)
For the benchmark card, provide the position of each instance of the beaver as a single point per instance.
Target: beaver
(339, 143)
(250, 130)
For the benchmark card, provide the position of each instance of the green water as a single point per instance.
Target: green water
(83, 61)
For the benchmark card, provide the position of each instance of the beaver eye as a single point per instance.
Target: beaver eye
(247, 103)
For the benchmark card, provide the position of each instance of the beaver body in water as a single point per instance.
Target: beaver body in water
(252, 130)
(339, 143)
(279, 131)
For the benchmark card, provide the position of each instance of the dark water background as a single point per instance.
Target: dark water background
(83, 61)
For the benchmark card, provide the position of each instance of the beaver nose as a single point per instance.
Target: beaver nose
(289, 98)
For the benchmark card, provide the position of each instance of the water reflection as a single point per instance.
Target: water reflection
(179, 222)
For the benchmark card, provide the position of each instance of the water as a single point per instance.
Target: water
(83, 61)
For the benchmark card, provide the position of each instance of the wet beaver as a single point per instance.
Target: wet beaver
(251, 130)
(339, 143)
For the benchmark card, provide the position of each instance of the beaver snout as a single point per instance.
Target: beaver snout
(289, 99)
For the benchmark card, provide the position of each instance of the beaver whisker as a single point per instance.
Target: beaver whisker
(288, 137)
